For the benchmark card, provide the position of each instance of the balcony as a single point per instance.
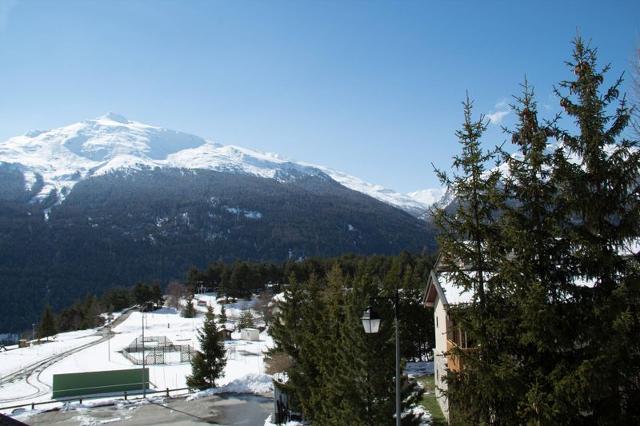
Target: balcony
(455, 363)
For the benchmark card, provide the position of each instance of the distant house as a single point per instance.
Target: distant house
(442, 294)
(250, 334)
(202, 302)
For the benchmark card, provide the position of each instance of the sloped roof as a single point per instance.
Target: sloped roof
(441, 284)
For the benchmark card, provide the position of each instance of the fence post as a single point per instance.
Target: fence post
(167, 392)
(125, 395)
(80, 401)
(33, 405)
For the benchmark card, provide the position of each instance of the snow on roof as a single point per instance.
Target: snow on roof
(453, 294)
(279, 297)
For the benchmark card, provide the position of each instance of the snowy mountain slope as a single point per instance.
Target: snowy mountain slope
(413, 205)
(427, 197)
(65, 156)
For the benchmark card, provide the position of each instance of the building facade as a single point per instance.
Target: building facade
(442, 295)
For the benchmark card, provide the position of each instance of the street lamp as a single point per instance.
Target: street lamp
(371, 324)
(144, 389)
(370, 321)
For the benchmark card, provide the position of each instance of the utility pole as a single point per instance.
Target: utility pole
(144, 389)
(395, 310)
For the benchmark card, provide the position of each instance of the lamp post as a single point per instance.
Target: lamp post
(144, 389)
(371, 324)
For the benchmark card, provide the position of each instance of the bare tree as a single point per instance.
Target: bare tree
(175, 292)
(264, 306)
(277, 362)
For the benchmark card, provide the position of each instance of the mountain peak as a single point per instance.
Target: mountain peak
(118, 118)
(66, 155)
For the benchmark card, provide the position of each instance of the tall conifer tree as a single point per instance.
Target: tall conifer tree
(189, 310)
(470, 246)
(531, 224)
(47, 326)
(207, 365)
(599, 172)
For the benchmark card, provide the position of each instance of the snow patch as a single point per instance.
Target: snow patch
(249, 214)
(429, 196)
(251, 383)
(269, 422)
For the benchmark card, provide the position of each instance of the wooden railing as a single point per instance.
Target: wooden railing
(455, 362)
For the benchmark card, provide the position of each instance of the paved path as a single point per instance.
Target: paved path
(230, 409)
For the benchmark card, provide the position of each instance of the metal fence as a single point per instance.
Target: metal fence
(157, 350)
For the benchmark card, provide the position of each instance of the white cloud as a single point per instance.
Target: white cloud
(502, 105)
(497, 117)
(500, 111)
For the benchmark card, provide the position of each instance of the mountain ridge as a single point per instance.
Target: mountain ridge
(67, 155)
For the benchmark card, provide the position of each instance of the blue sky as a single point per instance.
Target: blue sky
(371, 88)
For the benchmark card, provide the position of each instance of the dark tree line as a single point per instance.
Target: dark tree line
(122, 228)
(406, 270)
(335, 371)
(548, 247)
(86, 313)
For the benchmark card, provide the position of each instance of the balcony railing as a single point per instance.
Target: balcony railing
(455, 362)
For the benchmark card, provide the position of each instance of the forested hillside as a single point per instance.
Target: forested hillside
(153, 224)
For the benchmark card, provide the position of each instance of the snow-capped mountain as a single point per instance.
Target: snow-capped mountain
(58, 159)
(427, 197)
(111, 202)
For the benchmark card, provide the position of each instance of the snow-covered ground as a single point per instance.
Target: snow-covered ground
(244, 371)
(17, 359)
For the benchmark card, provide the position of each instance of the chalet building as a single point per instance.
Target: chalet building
(442, 295)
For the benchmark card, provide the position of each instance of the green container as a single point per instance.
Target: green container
(96, 382)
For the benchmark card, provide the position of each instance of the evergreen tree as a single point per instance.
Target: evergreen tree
(90, 311)
(326, 398)
(636, 89)
(47, 326)
(531, 224)
(189, 310)
(246, 319)
(207, 364)
(336, 371)
(142, 294)
(156, 295)
(119, 298)
(471, 248)
(599, 173)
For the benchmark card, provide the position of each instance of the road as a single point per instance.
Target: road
(230, 409)
(31, 373)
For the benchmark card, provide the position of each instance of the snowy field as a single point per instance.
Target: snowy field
(244, 371)
(16, 359)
